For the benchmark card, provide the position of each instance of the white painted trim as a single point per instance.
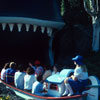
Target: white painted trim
(33, 21)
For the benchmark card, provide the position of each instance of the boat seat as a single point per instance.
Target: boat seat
(92, 90)
(56, 82)
(66, 72)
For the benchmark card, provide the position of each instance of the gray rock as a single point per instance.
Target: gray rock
(7, 92)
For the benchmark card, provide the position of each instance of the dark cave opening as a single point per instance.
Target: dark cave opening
(23, 46)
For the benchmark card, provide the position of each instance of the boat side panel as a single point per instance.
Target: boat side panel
(32, 96)
(93, 92)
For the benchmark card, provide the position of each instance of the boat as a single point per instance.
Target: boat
(92, 93)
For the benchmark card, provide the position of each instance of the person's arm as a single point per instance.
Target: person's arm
(74, 77)
(30, 64)
(66, 79)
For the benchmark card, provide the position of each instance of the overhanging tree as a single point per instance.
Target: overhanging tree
(92, 8)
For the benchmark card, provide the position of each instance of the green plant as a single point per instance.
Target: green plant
(5, 97)
(62, 7)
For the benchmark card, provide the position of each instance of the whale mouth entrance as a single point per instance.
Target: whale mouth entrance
(24, 39)
(23, 46)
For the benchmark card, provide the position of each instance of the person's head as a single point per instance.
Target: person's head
(20, 68)
(55, 68)
(47, 67)
(39, 78)
(37, 63)
(12, 65)
(78, 60)
(84, 68)
(30, 70)
(6, 65)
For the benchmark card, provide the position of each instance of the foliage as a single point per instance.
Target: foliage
(62, 7)
(89, 4)
(92, 6)
(75, 13)
(5, 98)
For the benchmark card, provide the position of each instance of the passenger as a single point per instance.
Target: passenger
(37, 87)
(10, 72)
(47, 72)
(78, 80)
(29, 79)
(39, 69)
(55, 69)
(19, 77)
(3, 75)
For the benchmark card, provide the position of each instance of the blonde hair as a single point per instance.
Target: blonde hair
(12, 65)
(84, 68)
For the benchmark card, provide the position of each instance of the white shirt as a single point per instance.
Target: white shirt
(80, 74)
(37, 88)
(3, 74)
(28, 81)
(19, 79)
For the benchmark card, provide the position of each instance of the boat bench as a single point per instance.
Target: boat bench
(57, 81)
(92, 90)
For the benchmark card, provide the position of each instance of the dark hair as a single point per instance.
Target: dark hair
(6, 65)
(39, 78)
(55, 65)
(30, 70)
(48, 67)
(20, 67)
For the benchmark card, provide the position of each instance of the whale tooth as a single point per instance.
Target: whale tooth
(19, 27)
(27, 27)
(34, 28)
(49, 31)
(11, 26)
(4, 26)
(42, 29)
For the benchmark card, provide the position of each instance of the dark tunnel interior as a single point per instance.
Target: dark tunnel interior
(23, 46)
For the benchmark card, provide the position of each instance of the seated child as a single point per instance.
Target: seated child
(29, 79)
(37, 87)
(47, 72)
(10, 72)
(55, 69)
(78, 80)
(19, 77)
(3, 75)
(39, 69)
